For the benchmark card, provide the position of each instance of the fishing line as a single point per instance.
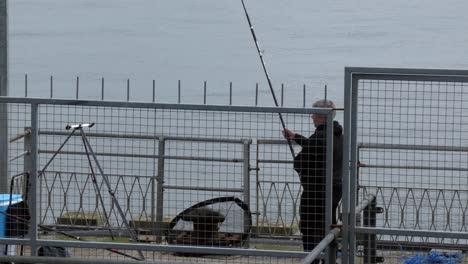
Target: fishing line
(266, 74)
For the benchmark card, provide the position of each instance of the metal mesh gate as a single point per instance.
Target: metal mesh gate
(409, 147)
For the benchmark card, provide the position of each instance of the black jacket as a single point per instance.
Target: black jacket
(310, 163)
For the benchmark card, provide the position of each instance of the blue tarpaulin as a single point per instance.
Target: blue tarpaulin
(4, 202)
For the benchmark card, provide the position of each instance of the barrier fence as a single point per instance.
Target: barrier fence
(408, 145)
(136, 184)
(157, 169)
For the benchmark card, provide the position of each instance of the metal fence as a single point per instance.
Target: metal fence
(408, 139)
(132, 174)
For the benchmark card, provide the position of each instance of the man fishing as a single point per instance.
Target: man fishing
(310, 164)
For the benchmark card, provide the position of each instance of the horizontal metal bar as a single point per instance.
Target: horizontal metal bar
(160, 248)
(288, 241)
(274, 161)
(77, 260)
(273, 141)
(411, 147)
(174, 187)
(417, 246)
(408, 77)
(406, 71)
(288, 182)
(412, 232)
(251, 109)
(113, 154)
(321, 246)
(109, 154)
(440, 75)
(156, 137)
(412, 167)
(412, 188)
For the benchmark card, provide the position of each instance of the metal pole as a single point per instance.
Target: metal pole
(154, 91)
(246, 172)
(128, 90)
(321, 246)
(353, 170)
(3, 92)
(51, 86)
(159, 188)
(256, 94)
(27, 166)
(345, 170)
(33, 180)
(204, 92)
(230, 93)
(178, 91)
(77, 87)
(102, 88)
(331, 250)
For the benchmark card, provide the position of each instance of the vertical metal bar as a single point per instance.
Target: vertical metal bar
(77, 87)
(159, 188)
(204, 92)
(345, 170)
(102, 88)
(353, 170)
(230, 93)
(3, 141)
(4, 47)
(178, 91)
(128, 90)
(246, 176)
(153, 195)
(256, 94)
(3, 92)
(25, 85)
(27, 164)
(33, 180)
(330, 251)
(154, 91)
(257, 184)
(325, 92)
(51, 86)
(282, 94)
(304, 95)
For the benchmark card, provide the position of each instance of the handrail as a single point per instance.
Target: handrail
(330, 237)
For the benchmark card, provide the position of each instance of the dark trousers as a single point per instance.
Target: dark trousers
(312, 213)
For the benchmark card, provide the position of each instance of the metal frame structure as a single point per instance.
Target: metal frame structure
(353, 78)
(35, 104)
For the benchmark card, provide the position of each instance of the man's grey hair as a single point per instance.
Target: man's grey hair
(325, 104)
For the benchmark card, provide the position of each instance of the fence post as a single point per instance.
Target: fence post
(27, 163)
(160, 190)
(370, 247)
(246, 176)
(3, 92)
(33, 178)
(332, 248)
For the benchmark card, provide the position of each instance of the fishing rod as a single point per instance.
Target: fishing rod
(266, 74)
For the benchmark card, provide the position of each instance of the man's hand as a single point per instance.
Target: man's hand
(288, 133)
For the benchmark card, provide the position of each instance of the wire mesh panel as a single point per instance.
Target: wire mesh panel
(411, 143)
(166, 175)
